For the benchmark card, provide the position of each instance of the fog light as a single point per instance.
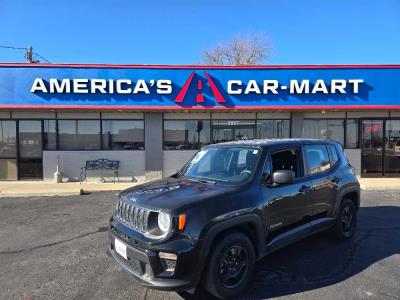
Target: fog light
(168, 261)
(166, 255)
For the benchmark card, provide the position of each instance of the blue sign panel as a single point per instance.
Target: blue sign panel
(196, 87)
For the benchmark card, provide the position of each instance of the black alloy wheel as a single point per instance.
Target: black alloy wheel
(347, 218)
(346, 222)
(230, 265)
(233, 266)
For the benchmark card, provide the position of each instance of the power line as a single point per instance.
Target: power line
(37, 54)
(29, 54)
(11, 47)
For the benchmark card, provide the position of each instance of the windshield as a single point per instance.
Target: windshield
(229, 164)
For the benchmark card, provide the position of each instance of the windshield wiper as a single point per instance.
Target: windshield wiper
(207, 181)
(202, 180)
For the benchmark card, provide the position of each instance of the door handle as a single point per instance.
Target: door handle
(305, 189)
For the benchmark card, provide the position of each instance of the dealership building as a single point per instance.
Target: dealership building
(153, 118)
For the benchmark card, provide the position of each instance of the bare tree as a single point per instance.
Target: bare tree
(242, 50)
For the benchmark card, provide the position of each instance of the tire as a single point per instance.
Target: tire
(230, 266)
(346, 220)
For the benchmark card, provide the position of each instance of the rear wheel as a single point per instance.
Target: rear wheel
(346, 222)
(230, 266)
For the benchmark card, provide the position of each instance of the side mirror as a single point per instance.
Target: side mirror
(283, 177)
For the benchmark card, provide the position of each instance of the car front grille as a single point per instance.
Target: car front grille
(134, 216)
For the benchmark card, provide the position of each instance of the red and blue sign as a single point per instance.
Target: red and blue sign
(131, 87)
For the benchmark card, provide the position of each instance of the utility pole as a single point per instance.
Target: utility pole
(29, 55)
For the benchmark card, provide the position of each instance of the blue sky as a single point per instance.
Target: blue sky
(176, 32)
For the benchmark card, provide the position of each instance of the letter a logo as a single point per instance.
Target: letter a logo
(199, 97)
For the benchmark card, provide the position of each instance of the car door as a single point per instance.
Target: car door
(289, 204)
(321, 170)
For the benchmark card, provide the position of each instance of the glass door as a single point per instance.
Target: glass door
(8, 150)
(221, 135)
(392, 148)
(372, 148)
(243, 133)
(30, 150)
(233, 130)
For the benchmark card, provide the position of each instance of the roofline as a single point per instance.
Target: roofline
(200, 108)
(138, 66)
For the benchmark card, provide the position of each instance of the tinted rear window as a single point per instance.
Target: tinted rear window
(334, 154)
(317, 158)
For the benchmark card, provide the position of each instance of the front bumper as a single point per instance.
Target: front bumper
(146, 267)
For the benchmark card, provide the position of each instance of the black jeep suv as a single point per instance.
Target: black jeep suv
(230, 205)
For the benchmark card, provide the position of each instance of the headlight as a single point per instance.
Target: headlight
(164, 221)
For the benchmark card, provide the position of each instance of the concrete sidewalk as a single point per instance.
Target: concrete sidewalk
(42, 188)
(380, 184)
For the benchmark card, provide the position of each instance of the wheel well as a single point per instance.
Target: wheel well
(353, 196)
(249, 229)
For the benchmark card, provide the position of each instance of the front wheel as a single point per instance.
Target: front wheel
(346, 221)
(230, 266)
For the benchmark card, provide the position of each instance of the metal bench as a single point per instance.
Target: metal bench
(100, 166)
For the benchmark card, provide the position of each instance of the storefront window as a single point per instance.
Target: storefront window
(123, 135)
(273, 129)
(324, 128)
(8, 169)
(8, 139)
(392, 147)
(351, 134)
(79, 134)
(49, 135)
(186, 134)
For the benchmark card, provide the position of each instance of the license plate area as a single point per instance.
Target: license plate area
(120, 248)
(135, 265)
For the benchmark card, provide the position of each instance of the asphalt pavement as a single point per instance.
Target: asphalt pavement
(55, 248)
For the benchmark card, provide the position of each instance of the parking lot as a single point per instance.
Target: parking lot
(55, 248)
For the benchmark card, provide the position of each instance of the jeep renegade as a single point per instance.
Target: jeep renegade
(229, 206)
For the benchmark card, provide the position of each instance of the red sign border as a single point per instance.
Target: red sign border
(201, 108)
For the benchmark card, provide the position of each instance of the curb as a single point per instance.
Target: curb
(16, 195)
(53, 194)
(380, 188)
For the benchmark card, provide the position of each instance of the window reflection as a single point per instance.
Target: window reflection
(30, 139)
(273, 129)
(79, 134)
(8, 139)
(233, 130)
(8, 169)
(324, 128)
(392, 147)
(372, 146)
(49, 134)
(123, 135)
(351, 133)
(186, 134)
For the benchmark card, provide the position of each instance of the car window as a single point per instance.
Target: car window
(334, 154)
(317, 158)
(228, 164)
(242, 157)
(286, 160)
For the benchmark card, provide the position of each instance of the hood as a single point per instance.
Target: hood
(172, 193)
